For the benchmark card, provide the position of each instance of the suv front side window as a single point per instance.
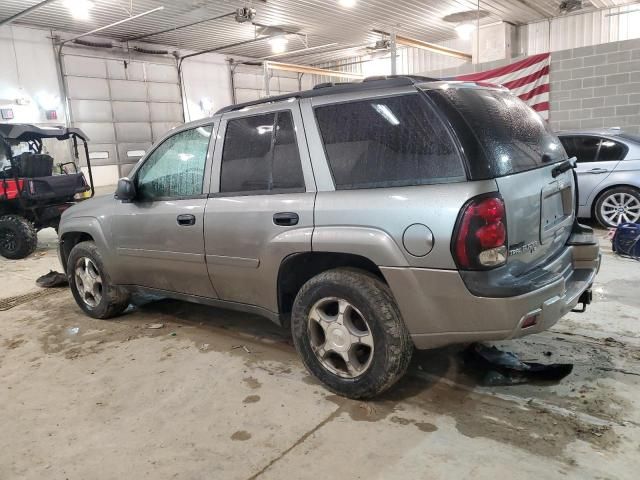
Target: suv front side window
(175, 169)
(260, 155)
(387, 142)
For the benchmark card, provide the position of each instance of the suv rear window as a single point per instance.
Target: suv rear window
(510, 137)
(387, 142)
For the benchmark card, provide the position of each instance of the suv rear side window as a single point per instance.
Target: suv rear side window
(261, 155)
(512, 137)
(387, 142)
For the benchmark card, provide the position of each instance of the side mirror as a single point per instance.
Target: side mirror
(126, 190)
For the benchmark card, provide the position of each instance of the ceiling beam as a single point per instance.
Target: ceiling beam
(290, 67)
(432, 47)
(27, 11)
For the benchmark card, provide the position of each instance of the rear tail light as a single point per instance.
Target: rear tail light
(480, 239)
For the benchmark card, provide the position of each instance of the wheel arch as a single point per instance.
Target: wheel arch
(296, 269)
(78, 230)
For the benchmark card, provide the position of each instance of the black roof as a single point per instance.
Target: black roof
(25, 132)
(370, 83)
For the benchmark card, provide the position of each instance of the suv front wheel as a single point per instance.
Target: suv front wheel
(349, 332)
(90, 283)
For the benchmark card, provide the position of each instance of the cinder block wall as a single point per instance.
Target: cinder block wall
(591, 87)
(595, 87)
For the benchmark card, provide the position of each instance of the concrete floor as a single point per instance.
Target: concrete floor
(221, 395)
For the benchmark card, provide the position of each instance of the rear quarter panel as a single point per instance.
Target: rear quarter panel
(383, 215)
(627, 172)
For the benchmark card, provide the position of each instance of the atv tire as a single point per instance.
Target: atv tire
(18, 237)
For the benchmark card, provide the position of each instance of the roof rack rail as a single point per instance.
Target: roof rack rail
(330, 88)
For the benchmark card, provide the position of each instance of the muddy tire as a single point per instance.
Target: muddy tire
(18, 237)
(91, 285)
(618, 205)
(349, 333)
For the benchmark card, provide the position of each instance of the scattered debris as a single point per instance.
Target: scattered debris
(241, 346)
(155, 326)
(52, 279)
(172, 334)
(204, 346)
(504, 368)
(73, 330)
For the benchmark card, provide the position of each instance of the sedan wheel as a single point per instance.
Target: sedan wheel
(619, 206)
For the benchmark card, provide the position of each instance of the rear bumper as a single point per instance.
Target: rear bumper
(439, 309)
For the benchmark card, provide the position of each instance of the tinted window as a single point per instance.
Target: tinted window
(261, 155)
(584, 149)
(387, 142)
(503, 134)
(611, 151)
(176, 167)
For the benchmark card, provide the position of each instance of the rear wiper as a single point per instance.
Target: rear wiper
(563, 167)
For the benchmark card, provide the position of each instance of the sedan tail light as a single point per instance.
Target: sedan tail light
(480, 236)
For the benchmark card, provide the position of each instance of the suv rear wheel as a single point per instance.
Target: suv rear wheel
(349, 332)
(91, 285)
(618, 205)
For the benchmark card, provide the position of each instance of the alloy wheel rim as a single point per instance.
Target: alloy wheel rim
(620, 208)
(88, 281)
(340, 337)
(8, 240)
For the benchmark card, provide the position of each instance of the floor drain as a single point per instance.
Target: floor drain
(8, 303)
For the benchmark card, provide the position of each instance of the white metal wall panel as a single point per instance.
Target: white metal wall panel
(84, 67)
(130, 111)
(128, 90)
(122, 104)
(582, 30)
(92, 110)
(163, 92)
(165, 112)
(88, 88)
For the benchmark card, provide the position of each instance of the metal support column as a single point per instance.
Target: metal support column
(393, 48)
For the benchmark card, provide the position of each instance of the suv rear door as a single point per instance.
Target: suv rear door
(596, 158)
(260, 208)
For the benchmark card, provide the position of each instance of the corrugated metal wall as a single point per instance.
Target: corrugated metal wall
(582, 30)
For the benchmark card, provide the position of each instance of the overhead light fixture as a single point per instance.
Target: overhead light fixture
(347, 3)
(278, 44)
(79, 9)
(465, 30)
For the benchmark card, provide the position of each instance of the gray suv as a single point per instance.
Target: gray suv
(368, 218)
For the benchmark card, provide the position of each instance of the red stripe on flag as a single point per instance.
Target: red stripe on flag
(535, 91)
(528, 79)
(540, 107)
(497, 72)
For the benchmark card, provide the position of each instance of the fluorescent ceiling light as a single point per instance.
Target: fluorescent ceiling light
(279, 44)
(347, 3)
(79, 9)
(465, 30)
(386, 113)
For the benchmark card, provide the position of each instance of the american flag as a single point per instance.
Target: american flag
(527, 78)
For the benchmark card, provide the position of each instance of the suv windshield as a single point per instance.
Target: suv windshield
(500, 134)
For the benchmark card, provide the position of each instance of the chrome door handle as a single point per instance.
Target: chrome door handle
(597, 170)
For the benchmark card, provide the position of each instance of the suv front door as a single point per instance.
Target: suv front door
(158, 237)
(261, 206)
(596, 158)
